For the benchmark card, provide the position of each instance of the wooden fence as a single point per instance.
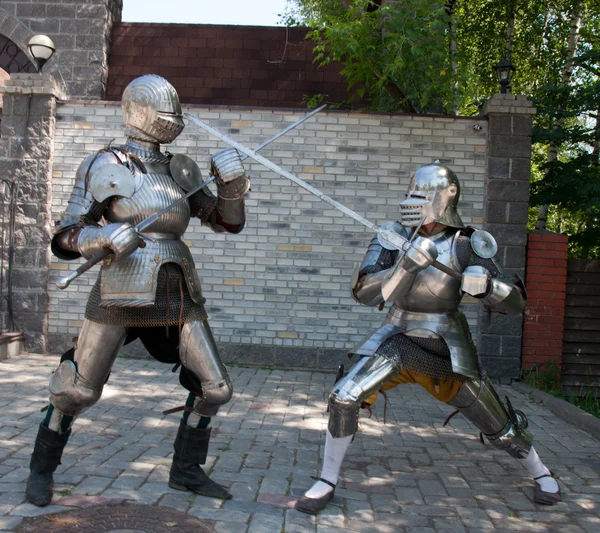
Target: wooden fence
(581, 341)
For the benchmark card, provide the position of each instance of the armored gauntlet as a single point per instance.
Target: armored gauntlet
(227, 167)
(122, 239)
(476, 281)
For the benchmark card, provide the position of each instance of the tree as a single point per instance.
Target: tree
(415, 56)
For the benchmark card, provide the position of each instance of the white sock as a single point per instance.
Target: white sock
(335, 451)
(536, 468)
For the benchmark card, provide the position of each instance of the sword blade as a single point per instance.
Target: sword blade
(285, 130)
(282, 172)
(389, 236)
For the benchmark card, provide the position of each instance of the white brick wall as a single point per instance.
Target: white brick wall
(284, 280)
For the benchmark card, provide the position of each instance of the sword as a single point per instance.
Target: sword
(388, 236)
(65, 281)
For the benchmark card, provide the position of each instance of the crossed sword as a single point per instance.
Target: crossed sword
(388, 236)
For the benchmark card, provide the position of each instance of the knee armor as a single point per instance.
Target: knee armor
(504, 427)
(206, 374)
(69, 392)
(366, 377)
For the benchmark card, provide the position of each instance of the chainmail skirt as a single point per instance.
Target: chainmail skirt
(173, 304)
(429, 357)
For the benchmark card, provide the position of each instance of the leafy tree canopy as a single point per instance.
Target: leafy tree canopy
(440, 57)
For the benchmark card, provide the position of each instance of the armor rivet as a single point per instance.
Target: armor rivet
(113, 184)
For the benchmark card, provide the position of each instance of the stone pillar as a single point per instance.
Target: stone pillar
(81, 31)
(505, 217)
(26, 148)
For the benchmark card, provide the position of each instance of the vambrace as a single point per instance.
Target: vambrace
(366, 282)
(505, 428)
(231, 213)
(366, 377)
(505, 297)
(397, 282)
(69, 392)
(367, 289)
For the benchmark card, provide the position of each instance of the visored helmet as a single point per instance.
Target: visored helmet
(433, 193)
(151, 110)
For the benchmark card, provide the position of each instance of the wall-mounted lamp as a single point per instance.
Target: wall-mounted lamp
(504, 71)
(41, 48)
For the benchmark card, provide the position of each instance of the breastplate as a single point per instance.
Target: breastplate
(132, 281)
(433, 291)
(153, 192)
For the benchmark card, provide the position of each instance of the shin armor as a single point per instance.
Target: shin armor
(366, 377)
(199, 356)
(504, 427)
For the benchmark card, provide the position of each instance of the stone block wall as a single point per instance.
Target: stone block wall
(279, 291)
(505, 217)
(81, 32)
(26, 147)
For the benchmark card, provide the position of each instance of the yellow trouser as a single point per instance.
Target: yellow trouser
(443, 390)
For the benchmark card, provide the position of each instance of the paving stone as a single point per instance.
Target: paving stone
(409, 475)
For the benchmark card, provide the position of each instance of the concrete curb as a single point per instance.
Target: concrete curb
(562, 409)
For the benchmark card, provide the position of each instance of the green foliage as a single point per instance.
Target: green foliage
(567, 117)
(548, 380)
(394, 57)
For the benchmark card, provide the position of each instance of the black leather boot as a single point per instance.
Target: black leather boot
(191, 447)
(46, 455)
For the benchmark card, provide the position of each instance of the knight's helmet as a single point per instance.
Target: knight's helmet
(433, 193)
(151, 110)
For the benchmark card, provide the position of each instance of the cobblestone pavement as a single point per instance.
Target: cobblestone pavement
(410, 474)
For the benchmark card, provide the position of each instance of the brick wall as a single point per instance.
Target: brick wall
(223, 65)
(284, 281)
(546, 284)
(80, 31)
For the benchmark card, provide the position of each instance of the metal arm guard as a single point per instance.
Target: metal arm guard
(504, 427)
(366, 283)
(81, 210)
(505, 297)
(400, 279)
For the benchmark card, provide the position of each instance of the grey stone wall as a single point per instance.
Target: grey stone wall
(80, 31)
(26, 148)
(505, 216)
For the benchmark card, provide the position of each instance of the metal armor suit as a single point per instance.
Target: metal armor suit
(425, 336)
(148, 287)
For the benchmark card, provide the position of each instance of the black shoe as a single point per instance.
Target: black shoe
(314, 505)
(191, 448)
(541, 496)
(46, 455)
(39, 488)
(190, 476)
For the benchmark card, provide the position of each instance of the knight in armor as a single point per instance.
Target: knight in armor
(148, 287)
(425, 337)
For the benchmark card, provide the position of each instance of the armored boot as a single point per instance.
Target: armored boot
(191, 447)
(45, 458)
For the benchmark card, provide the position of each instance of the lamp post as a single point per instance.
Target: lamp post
(504, 71)
(41, 49)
